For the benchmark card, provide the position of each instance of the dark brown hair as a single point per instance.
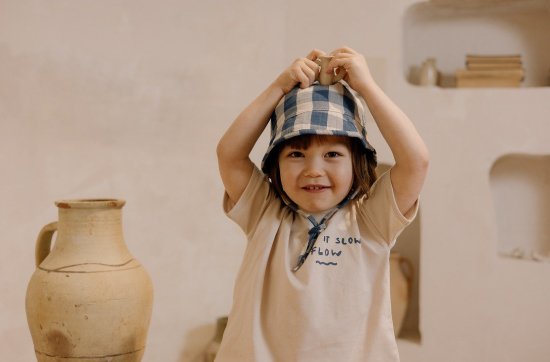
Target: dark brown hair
(363, 163)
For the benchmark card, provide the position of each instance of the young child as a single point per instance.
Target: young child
(314, 282)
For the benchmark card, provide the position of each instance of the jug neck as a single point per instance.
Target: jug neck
(93, 227)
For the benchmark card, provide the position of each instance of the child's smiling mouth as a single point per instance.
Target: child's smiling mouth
(315, 188)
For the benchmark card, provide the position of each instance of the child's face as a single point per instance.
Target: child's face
(319, 177)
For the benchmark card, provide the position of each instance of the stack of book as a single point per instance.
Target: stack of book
(491, 71)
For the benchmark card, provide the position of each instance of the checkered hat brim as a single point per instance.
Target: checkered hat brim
(332, 110)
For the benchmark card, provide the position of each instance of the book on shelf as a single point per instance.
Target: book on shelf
(489, 78)
(491, 66)
(491, 71)
(487, 83)
(498, 59)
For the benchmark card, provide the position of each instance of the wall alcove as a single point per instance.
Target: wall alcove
(447, 30)
(520, 186)
(408, 246)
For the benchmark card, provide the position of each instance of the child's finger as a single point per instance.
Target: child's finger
(344, 49)
(310, 63)
(342, 60)
(298, 75)
(314, 66)
(309, 73)
(314, 54)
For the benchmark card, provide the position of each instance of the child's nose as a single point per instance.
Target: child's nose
(313, 168)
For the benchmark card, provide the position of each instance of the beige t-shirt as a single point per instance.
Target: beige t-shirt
(336, 307)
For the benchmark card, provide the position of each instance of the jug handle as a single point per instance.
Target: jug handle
(43, 242)
(339, 75)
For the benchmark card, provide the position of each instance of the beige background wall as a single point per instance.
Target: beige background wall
(128, 99)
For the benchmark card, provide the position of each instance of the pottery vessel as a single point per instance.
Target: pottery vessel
(335, 74)
(428, 73)
(89, 299)
(400, 286)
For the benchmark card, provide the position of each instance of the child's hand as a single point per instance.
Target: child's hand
(302, 71)
(357, 71)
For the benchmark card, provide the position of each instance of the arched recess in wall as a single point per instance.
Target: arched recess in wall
(448, 30)
(408, 246)
(520, 187)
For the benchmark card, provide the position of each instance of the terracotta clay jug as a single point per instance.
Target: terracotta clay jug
(89, 299)
(400, 285)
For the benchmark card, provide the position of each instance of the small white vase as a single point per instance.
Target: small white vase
(428, 73)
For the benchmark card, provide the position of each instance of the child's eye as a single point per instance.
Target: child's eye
(333, 154)
(295, 154)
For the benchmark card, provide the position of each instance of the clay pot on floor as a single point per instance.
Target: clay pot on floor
(400, 285)
(88, 299)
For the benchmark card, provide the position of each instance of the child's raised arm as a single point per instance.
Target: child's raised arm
(409, 151)
(236, 144)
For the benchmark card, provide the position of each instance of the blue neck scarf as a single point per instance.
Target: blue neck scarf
(317, 227)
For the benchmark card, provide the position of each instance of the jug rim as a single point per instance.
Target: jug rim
(97, 203)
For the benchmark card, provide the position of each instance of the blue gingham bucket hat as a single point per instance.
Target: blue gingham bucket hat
(331, 110)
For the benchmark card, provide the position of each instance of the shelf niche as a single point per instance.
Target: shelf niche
(408, 246)
(448, 30)
(520, 186)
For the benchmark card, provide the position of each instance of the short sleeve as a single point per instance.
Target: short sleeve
(248, 210)
(380, 211)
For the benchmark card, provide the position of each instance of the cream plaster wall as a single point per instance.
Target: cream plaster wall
(128, 99)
